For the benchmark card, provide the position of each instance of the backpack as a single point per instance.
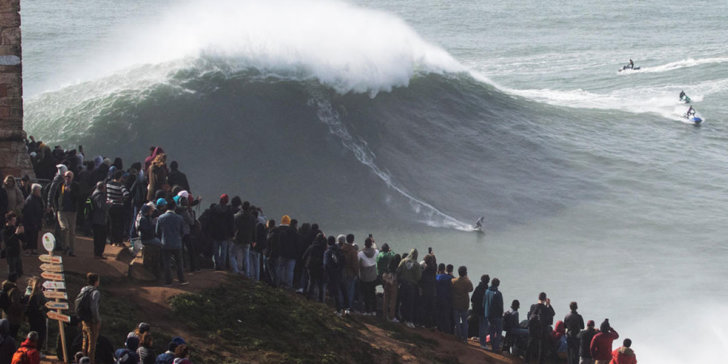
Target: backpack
(83, 305)
(508, 321)
(164, 358)
(21, 356)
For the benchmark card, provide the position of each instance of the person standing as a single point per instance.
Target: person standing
(13, 236)
(351, 270)
(493, 309)
(540, 319)
(33, 218)
(116, 195)
(476, 299)
(177, 178)
(333, 265)
(67, 203)
(409, 273)
(585, 338)
(99, 219)
(15, 195)
(170, 229)
(13, 307)
(313, 260)
(601, 344)
(461, 287)
(244, 233)
(222, 230)
(36, 310)
(368, 276)
(7, 343)
(91, 324)
(444, 299)
(574, 324)
(624, 354)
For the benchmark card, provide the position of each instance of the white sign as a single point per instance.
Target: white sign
(49, 242)
(54, 285)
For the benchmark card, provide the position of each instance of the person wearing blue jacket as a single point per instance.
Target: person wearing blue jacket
(493, 308)
(169, 229)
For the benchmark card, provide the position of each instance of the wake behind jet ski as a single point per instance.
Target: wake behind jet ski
(629, 66)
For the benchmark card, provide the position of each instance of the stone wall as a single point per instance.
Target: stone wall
(13, 157)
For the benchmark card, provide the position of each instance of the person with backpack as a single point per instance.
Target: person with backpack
(170, 230)
(409, 273)
(540, 319)
(146, 348)
(87, 309)
(585, 337)
(333, 266)
(7, 343)
(493, 309)
(574, 324)
(476, 300)
(28, 352)
(313, 259)
(515, 335)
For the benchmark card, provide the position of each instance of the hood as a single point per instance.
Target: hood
(61, 169)
(369, 252)
(626, 351)
(560, 327)
(28, 343)
(412, 255)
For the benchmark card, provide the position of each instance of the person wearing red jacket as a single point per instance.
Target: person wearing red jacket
(27, 353)
(624, 354)
(601, 344)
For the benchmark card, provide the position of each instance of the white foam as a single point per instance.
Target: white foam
(663, 101)
(685, 63)
(344, 46)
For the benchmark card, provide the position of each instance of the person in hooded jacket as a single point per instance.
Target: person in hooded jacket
(14, 194)
(409, 273)
(333, 266)
(601, 344)
(558, 337)
(146, 349)
(624, 354)
(221, 229)
(33, 218)
(493, 309)
(368, 276)
(313, 260)
(351, 269)
(7, 343)
(28, 352)
(287, 248)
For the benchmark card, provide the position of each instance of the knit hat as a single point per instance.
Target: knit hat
(178, 340)
(161, 202)
(132, 343)
(590, 323)
(176, 199)
(184, 194)
(285, 220)
(224, 199)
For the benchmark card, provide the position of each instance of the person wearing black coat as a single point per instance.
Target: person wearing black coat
(313, 260)
(477, 301)
(7, 343)
(33, 218)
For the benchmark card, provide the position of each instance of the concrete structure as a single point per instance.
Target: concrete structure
(14, 159)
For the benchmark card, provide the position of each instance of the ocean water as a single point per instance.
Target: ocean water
(409, 119)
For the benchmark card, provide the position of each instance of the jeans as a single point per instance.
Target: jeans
(496, 333)
(67, 223)
(461, 323)
(192, 252)
(237, 259)
(285, 271)
(572, 343)
(483, 329)
(221, 251)
(347, 289)
(167, 255)
(254, 267)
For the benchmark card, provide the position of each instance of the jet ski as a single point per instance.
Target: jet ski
(629, 67)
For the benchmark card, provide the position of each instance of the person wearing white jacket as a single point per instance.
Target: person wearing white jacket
(368, 276)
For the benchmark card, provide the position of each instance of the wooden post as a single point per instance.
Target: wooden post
(60, 328)
(55, 275)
